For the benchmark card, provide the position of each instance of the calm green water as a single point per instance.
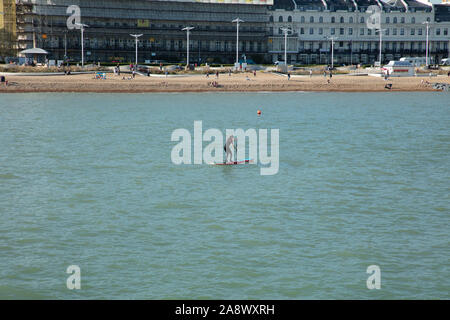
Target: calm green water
(87, 180)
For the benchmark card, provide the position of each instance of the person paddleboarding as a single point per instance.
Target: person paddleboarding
(227, 148)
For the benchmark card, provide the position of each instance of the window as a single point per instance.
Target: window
(369, 32)
(217, 45)
(311, 19)
(419, 32)
(361, 31)
(413, 20)
(350, 31)
(320, 30)
(320, 19)
(445, 32)
(413, 31)
(302, 30)
(387, 19)
(280, 19)
(311, 31)
(341, 31)
(402, 20)
(395, 19)
(402, 32)
(302, 19)
(350, 20)
(362, 20)
(289, 19)
(332, 31)
(333, 20)
(341, 20)
(394, 32)
(271, 19)
(438, 32)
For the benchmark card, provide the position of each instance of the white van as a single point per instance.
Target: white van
(418, 61)
(445, 62)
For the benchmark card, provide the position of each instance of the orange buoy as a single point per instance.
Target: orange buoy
(259, 112)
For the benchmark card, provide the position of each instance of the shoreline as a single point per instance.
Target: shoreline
(245, 82)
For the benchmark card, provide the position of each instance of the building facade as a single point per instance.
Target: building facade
(349, 25)
(8, 32)
(356, 39)
(111, 22)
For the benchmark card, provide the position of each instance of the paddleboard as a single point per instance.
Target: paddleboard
(233, 163)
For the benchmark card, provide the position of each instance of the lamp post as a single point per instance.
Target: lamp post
(332, 50)
(237, 21)
(285, 30)
(82, 26)
(188, 31)
(426, 45)
(136, 36)
(380, 31)
(65, 46)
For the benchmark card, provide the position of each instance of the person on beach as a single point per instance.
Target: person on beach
(217, 74)
(325, 74)
(227, 148)
(3, 81)
(254, 73)
(289, 76)
(134, 74)
(229, 72)
(310, 73)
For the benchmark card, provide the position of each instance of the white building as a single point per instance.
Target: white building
(354, 32)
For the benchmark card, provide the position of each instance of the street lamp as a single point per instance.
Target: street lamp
(82, 26)
(237, 21)
(188, 31)
(426, 46)
(380, 31)
(136, 36)
(332, 50)
(285, 30)
(65, 46)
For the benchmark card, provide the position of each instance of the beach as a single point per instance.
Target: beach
(241, 82)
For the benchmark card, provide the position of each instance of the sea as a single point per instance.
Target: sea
(92, 205)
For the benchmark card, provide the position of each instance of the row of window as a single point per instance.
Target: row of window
(419, 46)
(249, 46)
(342, 20)
(369, 32)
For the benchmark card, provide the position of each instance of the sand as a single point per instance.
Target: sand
(245, 82)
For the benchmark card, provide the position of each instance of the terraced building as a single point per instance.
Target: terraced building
(315, 24)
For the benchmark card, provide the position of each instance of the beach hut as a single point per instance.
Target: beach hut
(399, 69)
(35, 55)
